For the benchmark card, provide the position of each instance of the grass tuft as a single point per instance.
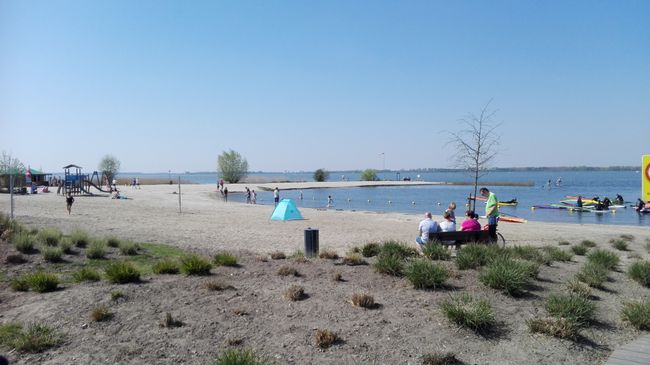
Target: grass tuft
(556, 327)
(52, 254)
(557, 254)
(363, 300)
(16, 259)
(579, 250)
(370, 249)
(166, 266)
(113, 241)
(475, 256)
(434, 251)
(398, 249)
(337, 276)
(389, 264)
(627, 237)
(424, 274)
(170, 322)
(288, 271)
(34, 339)
(129, 248)
(508, 275)
(225, 259)
(101, 314)
(466, 311)
(96, 250)
(326, 338)
(637, 314)
(604, 258)
(278, 255)
(294, 293)
(195, 265)
(121, 272)
(640, 272)
(574, 308)
(79, 238)
(328, 254)
(117, 295)
(85, 274)
(24, 243)
(588, 243)
(239, 357)
(49, 236)
(218, 285)
(41, 282)
(619, 244)
(579, 288)
(66, 245)
(564, 243)
(354, 259)
(438, 358)
(593, 275)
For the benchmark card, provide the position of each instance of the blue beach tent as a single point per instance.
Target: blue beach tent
(286, 211)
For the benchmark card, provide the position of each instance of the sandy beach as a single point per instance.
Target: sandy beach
(151, 214)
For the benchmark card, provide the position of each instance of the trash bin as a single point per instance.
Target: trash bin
(311, 242)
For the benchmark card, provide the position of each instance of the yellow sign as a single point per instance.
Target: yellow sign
(645, 178)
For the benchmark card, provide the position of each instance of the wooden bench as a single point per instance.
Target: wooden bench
(463, 237)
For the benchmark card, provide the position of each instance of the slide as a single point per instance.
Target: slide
(96, 187)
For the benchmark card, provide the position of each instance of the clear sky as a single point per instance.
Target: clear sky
(301, 85)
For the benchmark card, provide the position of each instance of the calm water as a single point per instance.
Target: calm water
(418, 199)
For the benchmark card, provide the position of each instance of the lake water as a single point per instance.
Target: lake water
(418, 199)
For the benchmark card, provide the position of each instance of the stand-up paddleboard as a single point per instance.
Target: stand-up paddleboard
(511, 218)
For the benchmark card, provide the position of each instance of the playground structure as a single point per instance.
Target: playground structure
(77, 183)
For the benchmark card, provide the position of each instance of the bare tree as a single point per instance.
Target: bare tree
(10, 164)
(477, 144)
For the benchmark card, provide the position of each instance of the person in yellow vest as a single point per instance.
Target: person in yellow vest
(491, 211)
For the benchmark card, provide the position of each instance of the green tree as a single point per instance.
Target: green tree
(369, 175)
(321, 175)
(232, 166)
(109, 166)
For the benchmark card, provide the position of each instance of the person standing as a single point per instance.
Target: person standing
(253, 197)
(276, 196)
(248, 195)
(451, 210)
(491, 211)
(330, 201)
(68, 201)
(225, 194)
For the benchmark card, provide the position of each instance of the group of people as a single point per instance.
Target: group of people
(251, 196)
(471, 223)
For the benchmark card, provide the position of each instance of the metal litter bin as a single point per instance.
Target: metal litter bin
(311, 242)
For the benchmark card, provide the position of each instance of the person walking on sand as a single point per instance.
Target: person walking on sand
(253, 197)
(68, 201)
(276, 196)
(330, 201)
(225, 194)
(248, 195)
(491, 211)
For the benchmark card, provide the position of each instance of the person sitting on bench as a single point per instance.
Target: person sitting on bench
(447, 225)
(471, 222)
(426, 226)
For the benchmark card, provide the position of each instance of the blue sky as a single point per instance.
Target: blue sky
(301, 85)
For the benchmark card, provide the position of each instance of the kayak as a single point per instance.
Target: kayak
(584, 201)
(511, 219)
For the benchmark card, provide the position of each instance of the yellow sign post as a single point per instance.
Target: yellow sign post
(645, 178)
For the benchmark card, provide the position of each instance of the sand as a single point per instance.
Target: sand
(208, 223)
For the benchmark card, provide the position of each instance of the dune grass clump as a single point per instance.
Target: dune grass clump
(218, 285)
(647, 245)
(579, 288)
(627, 237)
(195, 265)
(469, 312)
(101, 314)
(52, 254)
(278, 255)
(637, 314)
(370, 249)
(354, 259)
(588, 243)
(49, 236)
(435, 251)
(440, 358)
(389, 264)
(593, 275)
(424, 274)
(96, 250)
(604, 258)
(19, 284)
(328, 254)
(66, 245)
(294, 293)
(564, 243)
(507, 275)
(619, 244)
(363, 300)
(556, 327)
(24, 243)
(288, 271)
(398, 249)
(117, 295)
(34, 339)
(170, 322)
(121, 272)
(557, 254)
(129, 248)
(529, 253)
(640, 272)
(113, 241)
(574, 308)
(475, 256)
(239, 357)
(225, 259)
(325, 339)
(166, 266)
(79, 238)
(41, 282)
(579, 250)
(85, 274)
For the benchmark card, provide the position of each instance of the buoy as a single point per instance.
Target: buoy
(438, 203)
(368, 201)
(349, 200)
(389, 202)
(413, 203)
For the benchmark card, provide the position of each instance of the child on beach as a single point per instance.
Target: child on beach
(330, 201)
(69, 200)
(450, 209)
